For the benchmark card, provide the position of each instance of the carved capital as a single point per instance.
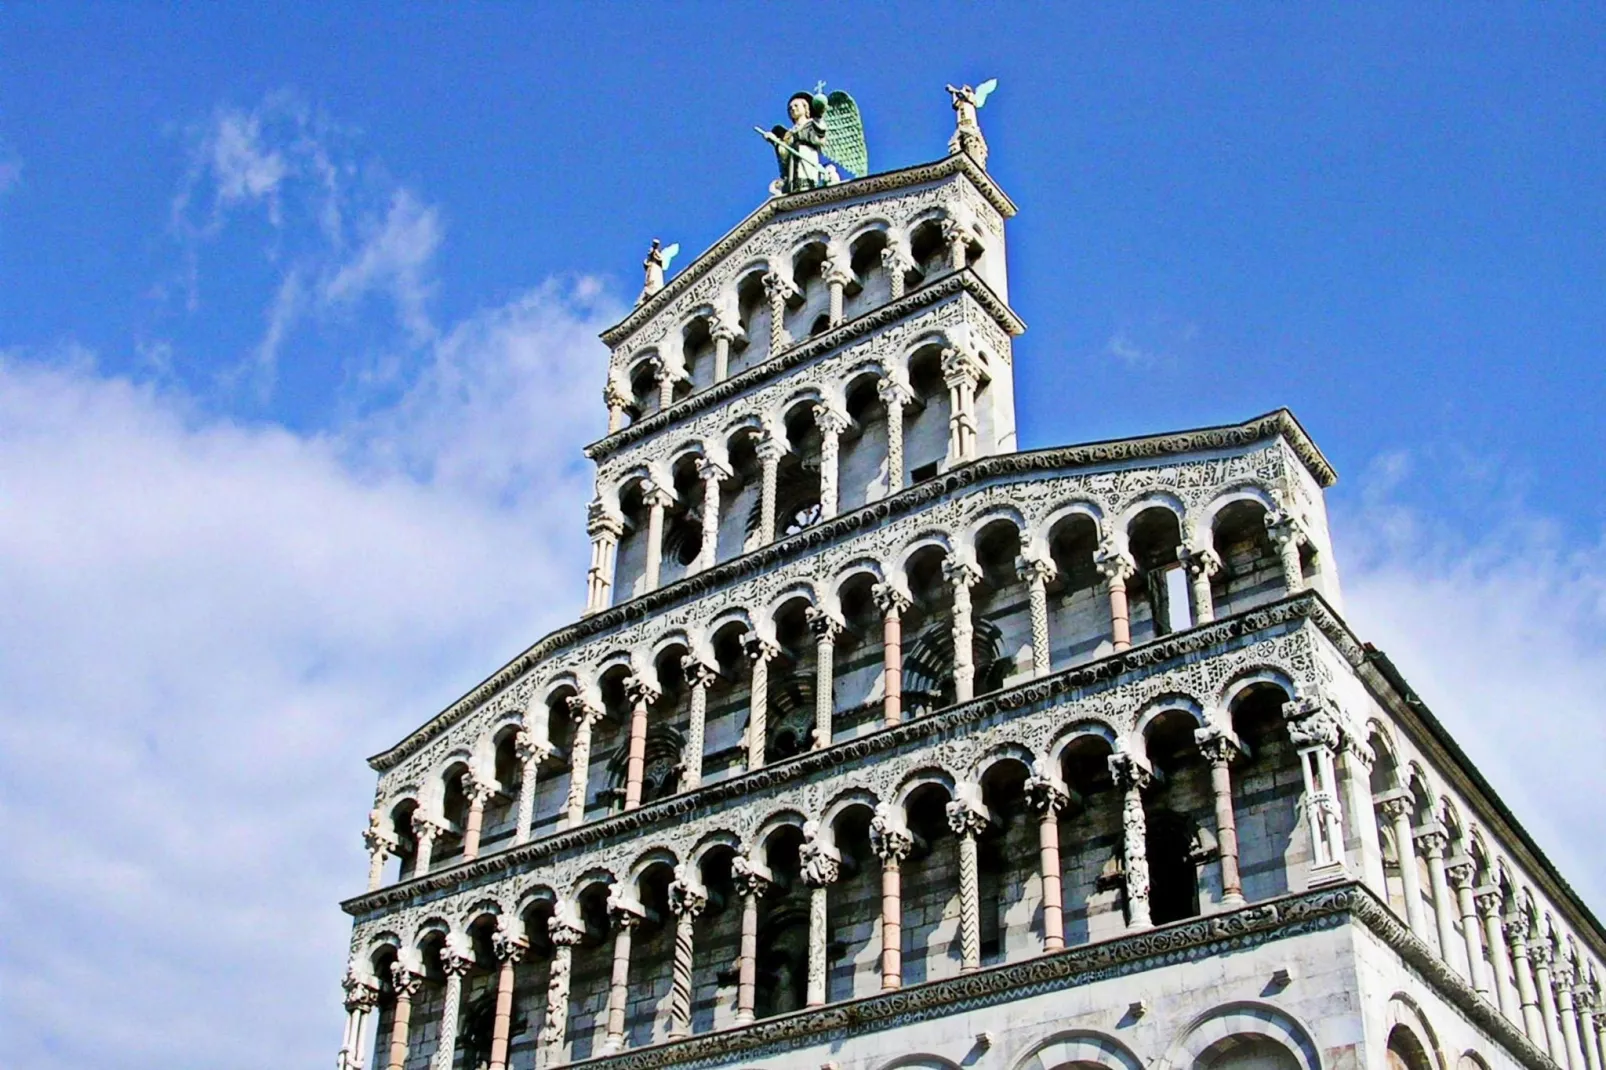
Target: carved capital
(565, 927)
(404, 980)
(779, 288)
(1035, 568)
(889, 598)
(615, 396)
(361, 989)
(698, 672)
(508, 943)
(1312, 722)
(581, 710)
(758, 649)
(1432, 839)
(752, 878)
(601, 519)
(641, 692)
(529, 750)
(687, 896)
(830, 420)
(890, 838)
(626, 911)
(960, 367)
(711, 470)
(894, 392)
(893, 258)
(457, 955)
(967, 817)
(377, 836)
(722, 325)
(1394, 804)
(823, 624)
(1129, 771)
(960, 573)
(427, 826)
(1219, 747)
(821, 862)
(770, 446)
(955, 231)
(1199, 561)
(836, 272)
(1284, 527)
(655, 495)
(1047, 794)
(1488, 899)
(1114, 563)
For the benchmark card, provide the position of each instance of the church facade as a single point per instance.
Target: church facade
(883, 744)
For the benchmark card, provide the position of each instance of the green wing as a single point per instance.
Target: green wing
(844, 134)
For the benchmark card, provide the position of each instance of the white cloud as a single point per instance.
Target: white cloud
(205, 627)
(395, 258)
(1504, 637)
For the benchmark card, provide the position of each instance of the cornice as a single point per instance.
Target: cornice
(807, 200)
(1091, 677)
(807, 349)
(1256, 925)
(1280, 423)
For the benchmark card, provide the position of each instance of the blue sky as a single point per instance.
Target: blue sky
(297, 321)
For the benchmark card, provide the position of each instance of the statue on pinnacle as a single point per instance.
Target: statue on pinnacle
(967, 130)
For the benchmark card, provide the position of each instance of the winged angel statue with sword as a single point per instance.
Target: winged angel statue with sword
(826, 137)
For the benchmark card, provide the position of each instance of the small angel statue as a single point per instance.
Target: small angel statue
(656, 264)
(967, 130)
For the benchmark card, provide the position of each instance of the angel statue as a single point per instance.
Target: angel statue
(826, 137)
(656, 264)
(967, 131)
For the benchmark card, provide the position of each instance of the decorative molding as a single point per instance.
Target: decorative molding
(508, 686)
(807, 200)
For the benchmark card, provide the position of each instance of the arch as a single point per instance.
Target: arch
(860, 566)
(842, 802)
(1157, 499)
(1082, 1046)
(487, 907)
(596, 875)
(1252, 676)
(432, 926)
(775, 822)
(1175, 701)
(1207, 1035)
(1079, 507)
(719, 839)
(1000, 754)
(537, 894)
(930, 539)
(652, 856)
(993, 514)
(1471, 1060)
(918, 779)
(1087, 726)
(1241, 492)
(1408, 1027)
(802, 590)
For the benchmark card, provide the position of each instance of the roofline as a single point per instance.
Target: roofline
(786, 204)
(1277, 423)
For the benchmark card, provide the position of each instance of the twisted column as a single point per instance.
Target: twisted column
(770, 449)
(752, 881)
(895, 395)
(405, 982)
(687, 899)
(657, 499)
(700, 676)
(1201, 563)
(626, 914)
(1131, 779)
(1396, 807)
(567, 932)
(961, 372)
(821, 866)
(1288, 536)
(530, 752)
(1488, 899)
(826, 626)
(457, 958)
(1219, 749)
(508, 945)
(961, 576)
(1117, 566)
(1047, 795)
(760, 652)
(712, 473)
(891, 841)
(478, 793)
(968, 819)
(831, 423)
(640, 694)
(778, 288)
(1517, 936)
(1459, 873)
(1035, 571)
(898, 265)
(892, 603)
(585, 716)
(381, 843)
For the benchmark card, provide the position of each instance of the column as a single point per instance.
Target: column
(456, 960)
(961, 575)
(1313, 728)
(752, 881)
(961, 372)
(585, 715)
(425, 828)
(837, 276)
(567, 932)
(605, 527)
(1219, 748)
(821, 867)
(891, 602)
(1035, 571)
(700, 676)
(1132, 778)
(724, 331)
(1540, 955)
(1287, 535)
(626, 915)
(1396, 807)
(1355, 765)
(478, 793)
(687, 898)
(1047, 796)
(530, 752)
(955, 237)
(1459, 873)
(509, 947)
(1488, 900)
(362, 995)
(760, 652)
(770, 449)
(1433, 840)
(1569, 1020)
(891, 841)
(825, 626)
(1201, 563)
(713, 474)
(894, 394)
(1517, 935)
(669, 372)
(405, 983)
(381, 843)
(778, 288)
(1588, 1038)
(898, 265)
(831, 423)
(640, 695)
(1117, 566)
(969, 819)
(618, 399)
(657, 499)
